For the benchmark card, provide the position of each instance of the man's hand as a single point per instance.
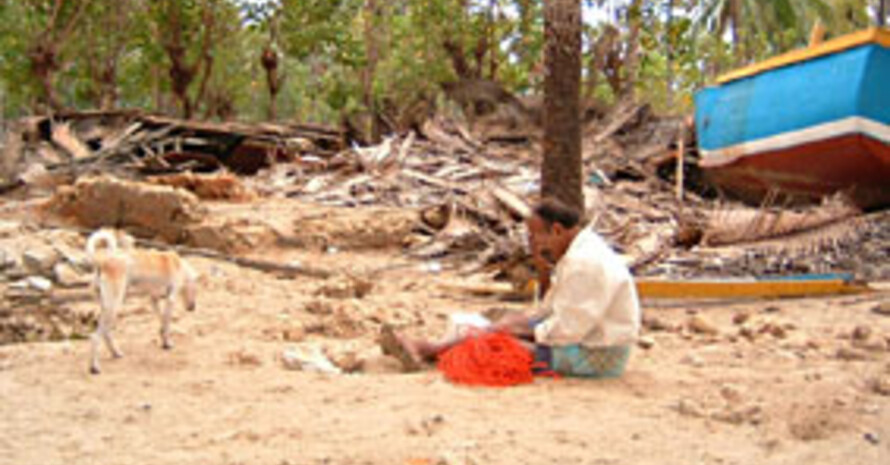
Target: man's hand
(516, 323)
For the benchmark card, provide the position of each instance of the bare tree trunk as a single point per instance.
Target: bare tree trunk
(595, 64)
(493, 42)
(368, 74)
(43, 67)
(157, 94)
(882, 13)
(109, 92)
(561, 169)
(269, 60)
(183, 73)
(107, 43)
(458, 59)
(208, 20)
(608, 59)
(632, 61)
(669, 54)
(526, 30)
(43, 55)
(735, 15)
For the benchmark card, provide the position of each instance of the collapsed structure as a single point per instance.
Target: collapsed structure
(445, 193)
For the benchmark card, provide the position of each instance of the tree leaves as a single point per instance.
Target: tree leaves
(323, 50)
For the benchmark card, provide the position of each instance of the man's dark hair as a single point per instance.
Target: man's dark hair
(552, 211)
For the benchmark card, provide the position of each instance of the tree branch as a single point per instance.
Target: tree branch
(209, 21)
(69, 28)
(51, 26)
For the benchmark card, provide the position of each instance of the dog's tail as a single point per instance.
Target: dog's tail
(103, 235)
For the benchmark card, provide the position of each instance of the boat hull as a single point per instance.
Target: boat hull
(854, 164)
(803, 129)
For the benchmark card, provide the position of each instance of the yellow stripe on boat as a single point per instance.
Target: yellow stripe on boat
(867, 36)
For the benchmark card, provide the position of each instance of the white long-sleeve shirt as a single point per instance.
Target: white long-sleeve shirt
(592, 300)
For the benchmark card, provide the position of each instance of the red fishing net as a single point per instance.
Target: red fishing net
(489, 359)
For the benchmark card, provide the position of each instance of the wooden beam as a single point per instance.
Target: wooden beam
(699, 289)
(752, 289)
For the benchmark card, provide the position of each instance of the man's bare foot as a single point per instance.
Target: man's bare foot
(403, 349)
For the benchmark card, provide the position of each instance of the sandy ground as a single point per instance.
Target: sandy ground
(222, 395)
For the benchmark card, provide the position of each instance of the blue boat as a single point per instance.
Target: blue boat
(803, 125)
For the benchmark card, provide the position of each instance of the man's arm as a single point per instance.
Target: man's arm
(520, 323)
(578, 301)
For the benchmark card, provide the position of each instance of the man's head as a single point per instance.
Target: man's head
(552, 228)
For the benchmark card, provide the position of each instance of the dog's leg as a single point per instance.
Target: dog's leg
(109, 341)
(166, 314)
(111, 298)
(101, 291)
(94, 348)
(96, 335)
(103, 331)
(117, 292)
(160, 308)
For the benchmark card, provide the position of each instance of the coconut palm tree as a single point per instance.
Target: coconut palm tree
(785, 22)
(561, 168)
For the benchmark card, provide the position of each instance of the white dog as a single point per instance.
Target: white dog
(121, 268)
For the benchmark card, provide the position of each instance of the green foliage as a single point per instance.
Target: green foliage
(321, 27)
(21, 24)
(323, 54)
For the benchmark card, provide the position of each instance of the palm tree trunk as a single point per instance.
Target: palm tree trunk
(561, 168)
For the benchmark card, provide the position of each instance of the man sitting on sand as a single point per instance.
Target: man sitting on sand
(589, 318)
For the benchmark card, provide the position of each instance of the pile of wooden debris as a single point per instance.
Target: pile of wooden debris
(471, 188)
(67, 145)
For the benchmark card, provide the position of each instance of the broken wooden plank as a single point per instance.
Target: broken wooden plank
(703, 290)
(681, 162)
(512, 202)
(64, 137)
(405, 148)
(436, 182)
(621, 117)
